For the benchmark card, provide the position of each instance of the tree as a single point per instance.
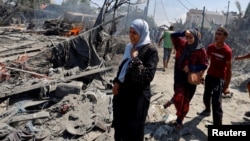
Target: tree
(237, 3)
(80, 6)
(133, 12)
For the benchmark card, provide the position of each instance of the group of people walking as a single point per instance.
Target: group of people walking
(131, 86)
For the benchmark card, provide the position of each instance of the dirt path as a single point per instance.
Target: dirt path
(162, 86)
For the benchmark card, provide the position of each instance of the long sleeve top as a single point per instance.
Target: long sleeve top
(198, 59)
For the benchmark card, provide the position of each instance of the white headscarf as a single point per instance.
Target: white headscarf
(141, 27)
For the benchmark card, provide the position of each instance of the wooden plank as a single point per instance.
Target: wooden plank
(18, 46)
(21, 89)
(34, 73)
(17, 118)
(14, 57)
(22, 51)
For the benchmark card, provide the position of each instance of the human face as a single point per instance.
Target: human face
(219, 36)
(133, 36)
(190, 38)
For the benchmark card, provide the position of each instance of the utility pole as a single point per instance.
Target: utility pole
(125, 29)
(227, 12)
(202, 22)
(154, 8)
(146, 10)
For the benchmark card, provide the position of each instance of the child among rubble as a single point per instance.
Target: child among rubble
(132, 84)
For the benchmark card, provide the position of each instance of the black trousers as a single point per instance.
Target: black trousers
(129, 115)
(213, 89)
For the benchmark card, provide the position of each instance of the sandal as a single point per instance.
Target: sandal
(178, 124)
(227, 95)
(247, 114)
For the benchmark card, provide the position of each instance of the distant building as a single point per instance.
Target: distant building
(211, 19)
(52, 1)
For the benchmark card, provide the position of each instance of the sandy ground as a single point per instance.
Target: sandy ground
(156, 129)
(162, 90)
(162, 87)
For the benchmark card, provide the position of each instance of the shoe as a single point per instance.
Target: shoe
(207, 124)
(163, 70)
(167, 104)
(205, 113)
(247, 114)
(227, 95)
(178, 126)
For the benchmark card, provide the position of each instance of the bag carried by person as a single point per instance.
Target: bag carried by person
(195, 78)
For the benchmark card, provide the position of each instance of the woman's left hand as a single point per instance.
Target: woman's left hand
(115, 89)
(186, 69)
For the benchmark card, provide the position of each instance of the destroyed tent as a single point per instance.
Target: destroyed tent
(78, 52)
(53, 71)
(83, 112)
(83, 105)
(55, 63)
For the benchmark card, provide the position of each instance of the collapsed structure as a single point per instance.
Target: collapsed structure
(53, 68)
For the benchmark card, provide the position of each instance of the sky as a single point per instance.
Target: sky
(168, 11)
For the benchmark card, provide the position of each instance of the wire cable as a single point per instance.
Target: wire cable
(164, 11)
(191, 4)
(183, 4)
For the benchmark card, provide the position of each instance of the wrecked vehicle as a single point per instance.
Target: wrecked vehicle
(70, 23)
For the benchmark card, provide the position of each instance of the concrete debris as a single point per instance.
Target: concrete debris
(54, 87)
(19, 118)
(75, 130)
(101, 125)
(169, 118)
(155, 111)
(162, 130)
(4, 105)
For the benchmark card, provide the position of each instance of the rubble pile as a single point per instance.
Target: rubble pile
(55, 87)
(66, 77)
(59, 87)
(72, 114)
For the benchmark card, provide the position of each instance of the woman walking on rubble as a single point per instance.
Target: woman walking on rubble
(132, 84)
(190, 57)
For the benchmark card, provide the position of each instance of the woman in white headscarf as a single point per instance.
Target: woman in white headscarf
(132, 84)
